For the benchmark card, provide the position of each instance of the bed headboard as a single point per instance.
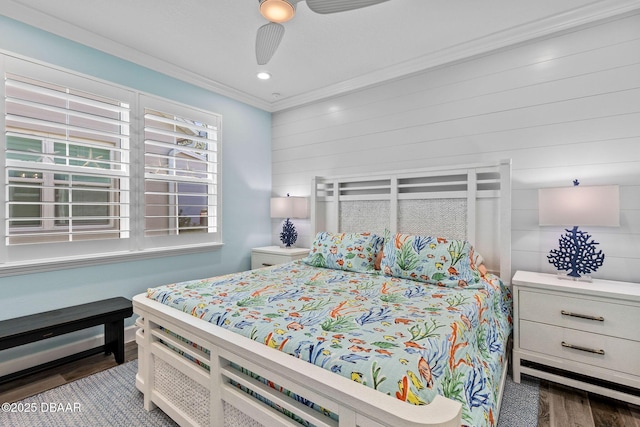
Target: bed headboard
(470, 202)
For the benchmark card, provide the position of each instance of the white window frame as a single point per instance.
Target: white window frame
(32, 258)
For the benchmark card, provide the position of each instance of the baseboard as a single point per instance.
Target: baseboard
(55, 353)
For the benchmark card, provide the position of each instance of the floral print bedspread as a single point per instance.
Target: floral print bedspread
(408, 339)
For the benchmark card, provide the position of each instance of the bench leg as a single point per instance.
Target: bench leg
(114, 339)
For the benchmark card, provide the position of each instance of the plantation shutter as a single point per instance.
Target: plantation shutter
(66, 163)
(181, 172)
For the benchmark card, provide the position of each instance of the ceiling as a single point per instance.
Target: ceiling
(211, 42)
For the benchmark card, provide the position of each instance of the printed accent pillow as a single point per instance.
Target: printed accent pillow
(434, 260)
(345, 251)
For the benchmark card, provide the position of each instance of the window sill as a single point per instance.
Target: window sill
(52, 264)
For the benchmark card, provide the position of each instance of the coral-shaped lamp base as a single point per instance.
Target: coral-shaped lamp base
(576, 254)
(289, 235)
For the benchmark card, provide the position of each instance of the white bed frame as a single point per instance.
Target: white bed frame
(475, 199)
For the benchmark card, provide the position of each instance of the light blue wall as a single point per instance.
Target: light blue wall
(246, 186)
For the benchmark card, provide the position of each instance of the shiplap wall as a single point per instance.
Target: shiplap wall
(562, 107)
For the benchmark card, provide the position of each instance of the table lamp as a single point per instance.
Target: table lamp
(289, 207)
(578, 206)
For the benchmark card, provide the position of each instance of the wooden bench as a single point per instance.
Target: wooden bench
(35, 327)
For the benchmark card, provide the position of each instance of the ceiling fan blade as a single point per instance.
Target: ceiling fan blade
(267, 41)
(333, 6)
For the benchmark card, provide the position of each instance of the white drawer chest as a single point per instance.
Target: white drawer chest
(589, 329)
(273, 255)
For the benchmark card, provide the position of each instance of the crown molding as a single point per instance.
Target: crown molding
(72, 32)
(521, 33)
(580, 16)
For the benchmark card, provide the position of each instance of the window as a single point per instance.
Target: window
(181, 172)
(67, 162)
(69, 179)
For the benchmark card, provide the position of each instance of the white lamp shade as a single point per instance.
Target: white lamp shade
(289, 207)
(580, 206)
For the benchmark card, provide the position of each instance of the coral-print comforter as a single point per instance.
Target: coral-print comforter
(408, 339)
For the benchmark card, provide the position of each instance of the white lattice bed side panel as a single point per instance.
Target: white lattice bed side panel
(182, 391)
(233, 417)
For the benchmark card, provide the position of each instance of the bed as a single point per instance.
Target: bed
(347, 337)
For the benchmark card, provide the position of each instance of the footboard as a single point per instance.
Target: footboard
(207, 383)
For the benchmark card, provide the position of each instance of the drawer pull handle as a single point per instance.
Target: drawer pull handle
(582, 316)
(264, 264)
(577, 347)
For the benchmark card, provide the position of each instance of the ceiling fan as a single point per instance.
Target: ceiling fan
(279, 11)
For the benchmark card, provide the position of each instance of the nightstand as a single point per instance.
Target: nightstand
(272, 255)
(584, 335)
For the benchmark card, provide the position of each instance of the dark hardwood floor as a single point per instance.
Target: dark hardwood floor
(24, 387)
(559, 406)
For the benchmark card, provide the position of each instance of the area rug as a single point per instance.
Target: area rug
(519, 407)
(110, 398)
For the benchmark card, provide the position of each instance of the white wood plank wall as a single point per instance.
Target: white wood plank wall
(562, 107)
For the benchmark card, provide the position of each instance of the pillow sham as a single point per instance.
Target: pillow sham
(435, 260)
(345, 251)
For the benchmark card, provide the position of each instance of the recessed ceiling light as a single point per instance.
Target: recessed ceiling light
(263, 75)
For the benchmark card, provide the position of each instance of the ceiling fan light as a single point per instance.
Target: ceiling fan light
(277, 10)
